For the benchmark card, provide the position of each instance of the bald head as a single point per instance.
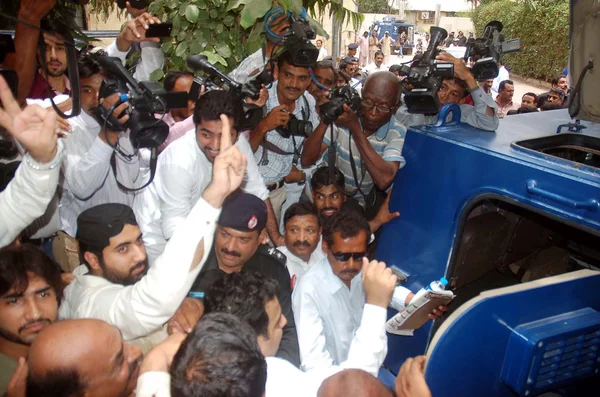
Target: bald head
(384, 83)
(76, 356)
(353, 383)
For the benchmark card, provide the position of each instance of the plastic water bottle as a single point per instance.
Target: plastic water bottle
(437, 285)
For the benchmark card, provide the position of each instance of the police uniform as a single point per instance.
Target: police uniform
(245, 212)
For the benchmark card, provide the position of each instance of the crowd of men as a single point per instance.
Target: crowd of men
(244, 266)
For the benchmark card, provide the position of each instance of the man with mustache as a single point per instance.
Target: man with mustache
(302, 236)
(277, 154)
(237, 247)
(82, 358)
(328, 300)
(115, 284)
(51, 80)
(30, 290)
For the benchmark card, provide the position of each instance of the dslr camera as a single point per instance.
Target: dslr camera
(423, 79)
(146, 99)
(338, 97)
(295, 127)
(486, 51)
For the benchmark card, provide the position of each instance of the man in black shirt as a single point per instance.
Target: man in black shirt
(240, 230)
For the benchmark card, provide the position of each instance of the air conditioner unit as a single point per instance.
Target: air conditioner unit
(425, 15)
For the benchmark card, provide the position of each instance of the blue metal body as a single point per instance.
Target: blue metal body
(452, 166)
(493, 348)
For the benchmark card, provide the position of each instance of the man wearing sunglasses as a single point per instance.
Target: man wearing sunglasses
(372, 139)
(328, 300)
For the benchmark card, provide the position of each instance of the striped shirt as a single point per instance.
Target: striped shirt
(387, 142)
(273, 166)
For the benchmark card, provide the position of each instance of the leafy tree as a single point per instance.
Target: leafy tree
(373, 6)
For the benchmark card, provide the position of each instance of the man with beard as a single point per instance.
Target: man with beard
(114, 283)
(276, 152)
(82, 358)
(31, 290)
(237, 247)
(184, 169)
(302, 236)
(330, 297)
(51, 80)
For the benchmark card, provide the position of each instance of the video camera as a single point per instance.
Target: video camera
(338, 97)
(486, 51)
(297, 39)
(218, 80)
(146, 99)
(425, 78)
(295, 127)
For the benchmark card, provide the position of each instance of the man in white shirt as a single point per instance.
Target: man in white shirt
(34, 184)
(322, 50)
(184, 170)
(111, 284)
(329, 300)
(302, 235)
(253, 299)
(377, 65)
(503, 74)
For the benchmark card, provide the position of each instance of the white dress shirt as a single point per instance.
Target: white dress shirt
(145, 306)
(273, 166)
(296, 266)
(182, 175)
(152, 58)
(27, 195)
(88, 178)
(372, 68)
(473, 115)
(502, 75)
(367, 352)
(322, 54)
(328, 315)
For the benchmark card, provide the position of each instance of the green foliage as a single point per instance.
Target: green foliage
(542, 26)
(373, 6)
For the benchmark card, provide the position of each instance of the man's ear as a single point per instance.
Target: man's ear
(92, 261)
(262, 237)
(324, 244)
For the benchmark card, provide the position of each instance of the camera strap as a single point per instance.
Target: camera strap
(354, 173)
(153, 164)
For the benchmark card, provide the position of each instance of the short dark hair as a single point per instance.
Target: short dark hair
(558, 92)
(321, 177)
(243, 294)
(327, 65)
(286, 57)
(503, 84)
(527, 109)
(377, 53)
(300, 208)
(214, 103)
(346, 222)
(461, 83)
(55, 383)
(531, 94)
(172, 77)
(220, 358)
(555, 79)
(88, 64)
(395, 68)
(16, 262)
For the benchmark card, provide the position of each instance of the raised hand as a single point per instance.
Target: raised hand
(33, 126)
(410, 381)
(379, 282)
(229, 168)
(135, 31)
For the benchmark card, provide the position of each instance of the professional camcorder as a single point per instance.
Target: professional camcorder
(338, 97)
(295, 127)
(297, 39)
(423, 80)
(486, 51)
(145, 98)
(218, 80)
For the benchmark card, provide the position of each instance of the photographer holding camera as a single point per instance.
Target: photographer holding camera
(368, 139)
(482, 114)
(277, 140)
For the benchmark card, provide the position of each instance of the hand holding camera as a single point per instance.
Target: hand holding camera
(277, 117)
(348, 118)
(460, 68)
(135, 31)
(119, 113)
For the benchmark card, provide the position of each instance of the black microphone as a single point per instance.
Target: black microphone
(201, 62)
(114, 66)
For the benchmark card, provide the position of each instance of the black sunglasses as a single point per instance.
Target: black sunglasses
(345, 256)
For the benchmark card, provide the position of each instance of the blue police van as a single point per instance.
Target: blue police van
(395, 29)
